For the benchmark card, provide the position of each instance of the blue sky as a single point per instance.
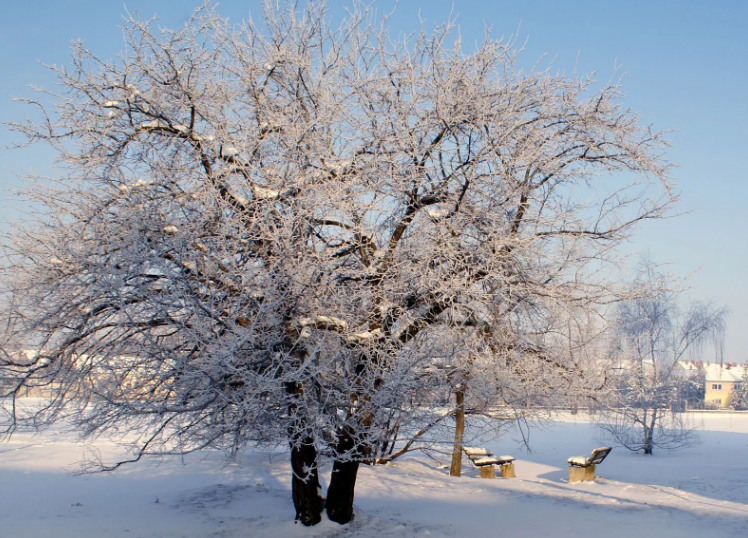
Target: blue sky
(686, 65)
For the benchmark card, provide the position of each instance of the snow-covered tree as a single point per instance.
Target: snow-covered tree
(739, 396)
(654, 333)
(284, 232)
(692, 388)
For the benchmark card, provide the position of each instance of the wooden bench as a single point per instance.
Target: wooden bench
(582, 468)
(485, 461)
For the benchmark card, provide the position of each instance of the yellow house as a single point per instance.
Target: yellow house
(721, 381)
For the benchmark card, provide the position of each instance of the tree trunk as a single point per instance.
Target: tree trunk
(305, 488)
(340, 494)
(649, 433)
(456, 467)
(647, 442)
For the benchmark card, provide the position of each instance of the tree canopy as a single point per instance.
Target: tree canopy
(282, 231)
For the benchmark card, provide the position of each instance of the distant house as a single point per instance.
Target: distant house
(721, 381)
(688, 368)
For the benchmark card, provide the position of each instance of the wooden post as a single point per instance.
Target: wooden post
(487, 471)
(581, 474)
(456, 466)
(507, 470)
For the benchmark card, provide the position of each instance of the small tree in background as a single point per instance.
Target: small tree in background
(653, 335)
(282, 233)
(739, 397)
(692, 389)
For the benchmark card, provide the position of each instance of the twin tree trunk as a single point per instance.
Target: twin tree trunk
(305, 486)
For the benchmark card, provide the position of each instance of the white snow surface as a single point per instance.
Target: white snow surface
(485, 461)
(262, 192)
(700, 491)
(475, 451)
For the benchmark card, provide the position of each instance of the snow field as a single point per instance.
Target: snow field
(700, 491)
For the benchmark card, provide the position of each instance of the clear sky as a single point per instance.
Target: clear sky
(687, 69)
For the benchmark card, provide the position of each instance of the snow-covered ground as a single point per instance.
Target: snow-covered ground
(700, 491)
